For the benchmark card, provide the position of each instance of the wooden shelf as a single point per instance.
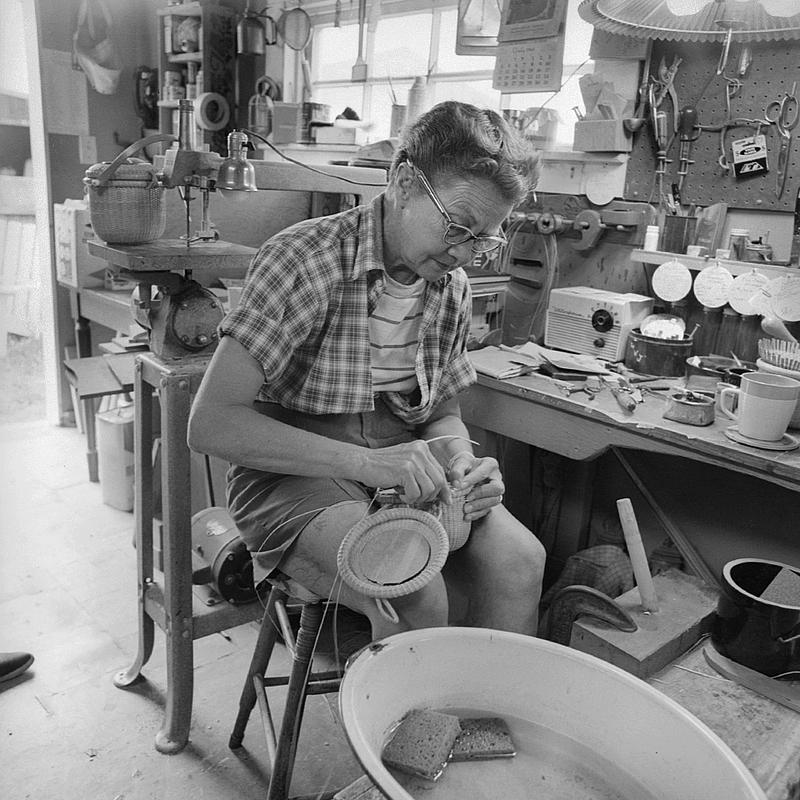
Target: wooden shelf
(699, 262)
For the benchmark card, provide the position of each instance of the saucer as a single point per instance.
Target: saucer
(786, 442)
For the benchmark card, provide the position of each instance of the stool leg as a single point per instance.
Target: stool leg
(267, 637)
(310, 622)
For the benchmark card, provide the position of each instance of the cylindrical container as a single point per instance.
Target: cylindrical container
(677, 233)
(763, 366)
(417, 99)
(115, 456)
(651, 237)
(520, 302)
(728, 331)
(652, 356)
(757, 623)
(737, 241)
(747, 338)
(706, 336)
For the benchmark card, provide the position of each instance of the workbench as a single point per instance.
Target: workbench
(532, 409)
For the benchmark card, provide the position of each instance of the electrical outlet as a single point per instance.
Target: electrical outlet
(87, 149)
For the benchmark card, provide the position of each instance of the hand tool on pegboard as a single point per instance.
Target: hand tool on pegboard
(688, 133)
(784, 113)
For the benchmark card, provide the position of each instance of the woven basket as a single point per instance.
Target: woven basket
(126, 200)
(451, 516)
(393, 552)
(130, 208)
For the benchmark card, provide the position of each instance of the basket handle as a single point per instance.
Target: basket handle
(108, 173)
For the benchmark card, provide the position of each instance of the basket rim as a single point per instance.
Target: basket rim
(430, 527)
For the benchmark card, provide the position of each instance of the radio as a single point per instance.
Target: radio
(594, 322)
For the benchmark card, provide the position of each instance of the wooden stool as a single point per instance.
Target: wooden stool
(301, 681)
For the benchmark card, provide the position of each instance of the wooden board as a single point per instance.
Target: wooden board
(764, 734)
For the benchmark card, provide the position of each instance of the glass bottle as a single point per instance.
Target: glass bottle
(706, 336)
(747, 338)
(728, 331)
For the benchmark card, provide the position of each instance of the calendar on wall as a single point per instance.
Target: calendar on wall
(531, 66)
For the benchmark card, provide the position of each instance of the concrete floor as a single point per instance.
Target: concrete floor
(67, 595)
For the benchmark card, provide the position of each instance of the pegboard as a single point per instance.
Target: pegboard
(775, 66)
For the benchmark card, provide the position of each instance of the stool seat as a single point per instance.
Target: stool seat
(301, 681)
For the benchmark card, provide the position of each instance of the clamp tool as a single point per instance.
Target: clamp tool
(784, 113)
(666, 86)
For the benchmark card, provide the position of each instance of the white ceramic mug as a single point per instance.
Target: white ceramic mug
(766, 404)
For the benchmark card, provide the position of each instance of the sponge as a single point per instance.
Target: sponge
(482, 738)
(421, 743)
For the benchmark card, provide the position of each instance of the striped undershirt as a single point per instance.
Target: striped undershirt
(394, 336)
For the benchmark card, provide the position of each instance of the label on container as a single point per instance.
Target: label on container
(672, 281)
(750, 156)
(744, 289)
(712, 285)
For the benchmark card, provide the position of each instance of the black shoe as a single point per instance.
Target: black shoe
(13, 664)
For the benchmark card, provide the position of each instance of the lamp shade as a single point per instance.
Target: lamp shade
(696, 20)
(236, 173)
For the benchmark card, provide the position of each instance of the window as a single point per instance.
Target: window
(423, 43)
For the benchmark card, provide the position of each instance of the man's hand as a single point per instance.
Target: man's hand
(483, 476)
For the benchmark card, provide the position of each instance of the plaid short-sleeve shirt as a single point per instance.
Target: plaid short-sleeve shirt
(303, 315)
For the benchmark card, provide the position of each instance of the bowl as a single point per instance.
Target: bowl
(763, 366)
(707, 371)
(567, 710)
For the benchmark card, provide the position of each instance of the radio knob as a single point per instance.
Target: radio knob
(602, 320)
(598, 342)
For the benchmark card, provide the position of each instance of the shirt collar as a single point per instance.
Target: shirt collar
(370, 257)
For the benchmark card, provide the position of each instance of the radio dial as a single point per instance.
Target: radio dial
(602, 320)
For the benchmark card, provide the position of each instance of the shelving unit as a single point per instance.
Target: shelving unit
(215, 56)
(699, 262)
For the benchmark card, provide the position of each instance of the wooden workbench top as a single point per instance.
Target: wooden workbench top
(174, 255)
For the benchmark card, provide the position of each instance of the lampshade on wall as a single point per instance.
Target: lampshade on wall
(696, 20)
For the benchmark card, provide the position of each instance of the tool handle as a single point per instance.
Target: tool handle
(624, 399)
(633, 541)
(687, 123)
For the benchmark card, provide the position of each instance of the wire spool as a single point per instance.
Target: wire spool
(211, 111)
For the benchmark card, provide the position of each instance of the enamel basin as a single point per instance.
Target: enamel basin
(644, 743)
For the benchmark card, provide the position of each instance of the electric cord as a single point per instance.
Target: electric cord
(305, 166)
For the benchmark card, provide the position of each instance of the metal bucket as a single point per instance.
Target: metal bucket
(756, 624)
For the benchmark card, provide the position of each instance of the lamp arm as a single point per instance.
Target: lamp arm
(301, 164)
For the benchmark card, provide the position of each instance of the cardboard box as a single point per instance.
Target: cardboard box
(334, 134)
(72, 229)
(601, 136)
(287, 123)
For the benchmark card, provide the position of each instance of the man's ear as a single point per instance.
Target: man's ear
(405, 178)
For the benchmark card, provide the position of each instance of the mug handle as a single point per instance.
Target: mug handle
(728, 391)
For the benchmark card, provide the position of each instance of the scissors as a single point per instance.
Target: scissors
(784, 113)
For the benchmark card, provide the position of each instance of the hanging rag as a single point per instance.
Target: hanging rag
(93, 48)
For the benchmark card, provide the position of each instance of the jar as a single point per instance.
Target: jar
(728, 332)
(651, 237)
(737, 242)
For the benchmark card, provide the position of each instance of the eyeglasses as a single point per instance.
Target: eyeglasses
(454, 233)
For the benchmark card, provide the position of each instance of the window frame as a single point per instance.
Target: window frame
(324, 17)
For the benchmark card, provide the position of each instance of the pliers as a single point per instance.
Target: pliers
(666, 86)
